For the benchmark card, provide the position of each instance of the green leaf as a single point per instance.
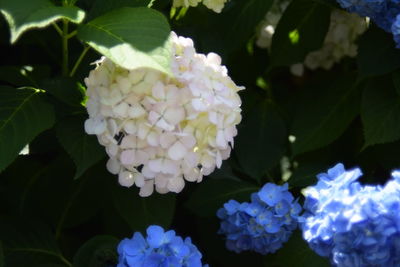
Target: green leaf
(23, 75)
(140, 212)
(24, 15)
(248, 15)
(101, 7)
(301, 29)
(377, 53)
(27, 244)
(324, 112)
(261, 140)
(64, 89)
(99, 251)
(213, 193)
(23, 114)
(296, 252)
(131, 37)
(84, 149)
(396, 81)
(1, 255)
(380, 112)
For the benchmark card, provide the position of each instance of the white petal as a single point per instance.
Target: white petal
(141, 157)
(130, 127)
(136, 75)
(126, 179)
(170, 167)
(155, 165)
(113, 166)
(188, 141)
(220, 139)
(124, 84)
(139, 179)
(199, 105)
(147, 189)
(161, 181)
(158, 90)
(192, 175)
(121, 110)
(218, 160)
(167, 139)
(177, 151)
(176, 184)
(136, 111)
(147, 173)
(127, 157)
(162, 190)
(164, 125)
(153, 138)
(112, 150)
(129, 141)
(154, 117)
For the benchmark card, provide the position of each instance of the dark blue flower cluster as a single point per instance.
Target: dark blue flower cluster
(262, 225)
(159, 249)
(385, 13)
(352, 224)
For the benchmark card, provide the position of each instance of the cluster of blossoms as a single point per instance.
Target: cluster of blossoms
(262, 225)
(385, 13)
(160, 248)
(339, 41)
(215, 5)
(159, 130)
(354, 225)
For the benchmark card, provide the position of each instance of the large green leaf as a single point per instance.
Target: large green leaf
(99, 251)
(23, 15)
(83, 148)
(324, 112)
(296, 253)
(101, 7)
(377, 53)
(24, 113)
(213, 193)
(28, 244)
(131, 37)
(65, 89)
(1, 255)
(140, 212)
(380, 112)
(247, 14)
(301, 29)
(262, 140)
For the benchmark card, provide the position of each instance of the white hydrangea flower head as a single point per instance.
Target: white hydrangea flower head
(344, 29)
(215, 5)
(185, 3)
(268, 25)
(158, 130)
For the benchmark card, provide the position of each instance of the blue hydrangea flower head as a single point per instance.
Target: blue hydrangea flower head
(263, 224)
(352, 224)
(158, 249)
(396, 30)
(382, 12)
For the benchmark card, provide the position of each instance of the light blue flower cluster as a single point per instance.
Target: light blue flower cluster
(159, 249)
(352, 224)
(385, 13)
(262, 225)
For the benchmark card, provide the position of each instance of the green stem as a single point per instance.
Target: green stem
(57, 29)
(78, 62)
(72, 34)
(65, 48)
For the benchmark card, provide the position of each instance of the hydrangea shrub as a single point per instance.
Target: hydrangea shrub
(205, 119)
